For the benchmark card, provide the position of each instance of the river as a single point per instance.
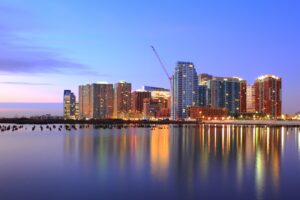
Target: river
(165, 162)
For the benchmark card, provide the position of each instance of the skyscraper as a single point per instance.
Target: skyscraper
(96, 100)
(204, 78)
(225, 93)
(204, 91)
(185, 89)
(69, 104)
(250, 99)
(243, 96)
(102, 100)
(137, 101)
(122, 99)
(203, 95)
(85, 101)
(268, 98)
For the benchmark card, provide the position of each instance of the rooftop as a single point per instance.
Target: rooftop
(268, 76)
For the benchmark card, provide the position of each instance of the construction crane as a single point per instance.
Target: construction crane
(163, 67)
(166, 72)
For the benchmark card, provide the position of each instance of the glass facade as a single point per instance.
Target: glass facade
(122, 99)
(69, 104)
(203, 95)
(185, 89)
(102, 101)
(225, 93)
(268, 99)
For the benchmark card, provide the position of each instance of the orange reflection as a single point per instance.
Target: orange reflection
(159, 152)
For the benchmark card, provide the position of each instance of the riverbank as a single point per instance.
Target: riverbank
(288, 123)
(90, 121)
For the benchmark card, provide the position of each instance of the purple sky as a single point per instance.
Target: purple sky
(49, 46)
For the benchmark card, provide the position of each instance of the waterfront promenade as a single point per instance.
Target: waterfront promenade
(256, 122)
(291, 123)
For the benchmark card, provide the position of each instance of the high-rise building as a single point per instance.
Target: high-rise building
(185, 89)
(250, 99)
(69, 104)
(77, 116)
(96, 100)
(243, 96)
(203, 95)
(204, 78)
(102, 100)
(225, 93)
(268, 98)
(122, 99)
(137, 101)
(85, 101)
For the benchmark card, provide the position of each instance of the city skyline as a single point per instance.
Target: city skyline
(84, 43)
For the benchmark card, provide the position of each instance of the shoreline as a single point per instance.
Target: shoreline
(273, 123)
(91, 121)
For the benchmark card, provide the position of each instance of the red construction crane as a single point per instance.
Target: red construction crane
(166, 72)
(163, 66)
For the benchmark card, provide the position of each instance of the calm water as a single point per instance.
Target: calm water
(194, 162)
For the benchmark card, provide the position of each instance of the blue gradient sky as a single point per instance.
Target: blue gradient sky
(48, 46)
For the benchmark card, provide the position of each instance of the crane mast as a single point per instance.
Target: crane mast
(161, 63)
(165, 70)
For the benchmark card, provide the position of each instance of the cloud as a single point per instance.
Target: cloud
(19, 55)
(22, 83)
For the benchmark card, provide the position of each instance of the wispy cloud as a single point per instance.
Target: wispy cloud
(19, 55)
(23, 83)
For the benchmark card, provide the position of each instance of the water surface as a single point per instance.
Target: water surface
(167, 162)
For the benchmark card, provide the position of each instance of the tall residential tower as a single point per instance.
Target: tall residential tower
(69, 105)
(268, 98)
(226, 93)
(185, 89)
(85, 101)
(102, 100)
(122, 99)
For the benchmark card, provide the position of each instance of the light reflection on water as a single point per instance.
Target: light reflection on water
(299, 142)
(188, 162)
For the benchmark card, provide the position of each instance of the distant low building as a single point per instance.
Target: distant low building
(202, 113)
(156, 108)
(297, 116)
(137, 100)
(46, 117)
(157, 92)
(163, 95)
